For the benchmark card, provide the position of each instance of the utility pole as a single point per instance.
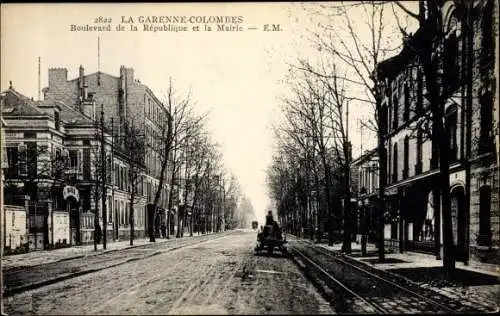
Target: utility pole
(39, 79)
(103, 177)
(115, 235)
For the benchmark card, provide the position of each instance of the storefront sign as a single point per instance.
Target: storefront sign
(71, 191)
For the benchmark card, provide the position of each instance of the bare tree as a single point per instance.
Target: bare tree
(179, 124)
(438, 56)
(308, 114)
(338, 38)
(135, 149)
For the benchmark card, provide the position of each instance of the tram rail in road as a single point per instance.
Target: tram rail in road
(53, 272)
(352, 289)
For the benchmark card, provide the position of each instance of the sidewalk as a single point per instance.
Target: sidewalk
(49, 256)
(477, 282)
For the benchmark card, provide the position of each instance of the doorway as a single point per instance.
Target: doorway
(460, 223)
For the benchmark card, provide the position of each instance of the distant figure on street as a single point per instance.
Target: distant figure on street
(163, 230)
(98, 234)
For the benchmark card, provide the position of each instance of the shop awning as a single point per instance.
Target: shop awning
(393, 189)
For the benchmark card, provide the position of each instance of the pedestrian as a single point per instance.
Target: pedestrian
(98, 234)
(163, 230)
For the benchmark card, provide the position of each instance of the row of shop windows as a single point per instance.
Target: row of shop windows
(421, 224)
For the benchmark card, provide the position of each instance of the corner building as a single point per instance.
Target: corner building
(122, 98)
(471, 129)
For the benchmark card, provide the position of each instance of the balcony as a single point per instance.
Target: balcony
(75, 173)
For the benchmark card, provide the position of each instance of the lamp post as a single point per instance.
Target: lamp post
(363, 201)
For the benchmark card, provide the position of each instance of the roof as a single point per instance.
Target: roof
(14, 104)
(367, 155)
(393, 66)
(69, 115)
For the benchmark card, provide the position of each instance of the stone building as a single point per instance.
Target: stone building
(123, 99)
(53, 154)
(470, 122)
(365, 182)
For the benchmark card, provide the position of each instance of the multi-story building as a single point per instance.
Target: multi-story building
(53, 154)
(123, 99)
(412, 151)
(365, 182)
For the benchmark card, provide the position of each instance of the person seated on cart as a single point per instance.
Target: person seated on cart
(260, 234)
(269, 218)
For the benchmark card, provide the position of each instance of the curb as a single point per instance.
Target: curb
(409, 281)
(89, 253)
(32, 286)
(92, 253)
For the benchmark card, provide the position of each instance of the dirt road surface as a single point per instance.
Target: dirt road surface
(220, 276)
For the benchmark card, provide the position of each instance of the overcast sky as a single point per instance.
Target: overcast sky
(236, 76)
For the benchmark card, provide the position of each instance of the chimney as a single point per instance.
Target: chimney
(81, 77)
(57, 76)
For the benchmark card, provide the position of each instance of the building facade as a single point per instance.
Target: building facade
(470, 122)
(123, 99)
(54, 170)
(365, 183)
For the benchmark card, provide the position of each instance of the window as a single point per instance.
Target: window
(122, 178)
(484, 237)
(86, 164)
(116, 211)
(122, 213)
(420, 97)
(126, 215)
(486, 130)
(117, 174)
(395, 118)
(395, 163)
(406, 113)
(451, 130)
(109, 169)
(452, 62)
(110, 209)
(406, 156)
(73, 159)
(418, 165)
(383, 119)
(12, 158)
(125, 174)
(56, 120)
(487, 41)
(32, 159)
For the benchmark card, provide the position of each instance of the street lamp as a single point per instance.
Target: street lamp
(363, 200)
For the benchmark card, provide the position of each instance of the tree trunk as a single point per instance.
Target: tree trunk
(444, 181)
(382, 154)
(346, 242)
(131, 219)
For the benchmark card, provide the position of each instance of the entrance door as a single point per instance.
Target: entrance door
(460, 230)
(72, 207)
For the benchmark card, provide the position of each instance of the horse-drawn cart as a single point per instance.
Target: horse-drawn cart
(270, 238)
